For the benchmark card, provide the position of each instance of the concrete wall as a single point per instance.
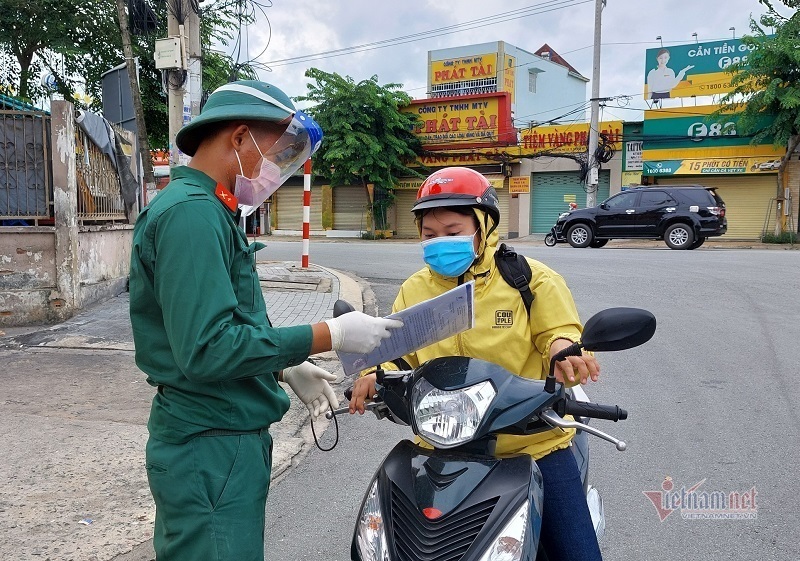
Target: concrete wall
(47, 274)
(557, 89)
(27, 276)
(104, 261)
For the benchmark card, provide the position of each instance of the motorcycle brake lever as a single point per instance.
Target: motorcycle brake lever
(371, 406)
(551, 418)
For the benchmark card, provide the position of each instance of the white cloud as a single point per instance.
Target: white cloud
(303, 27)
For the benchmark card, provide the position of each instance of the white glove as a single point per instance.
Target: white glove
(310, 384)
(356, 332)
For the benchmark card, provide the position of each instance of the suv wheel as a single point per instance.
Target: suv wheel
(579, 235)
(697, 243)
(679, 236)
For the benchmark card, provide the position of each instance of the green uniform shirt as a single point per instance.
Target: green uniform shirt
(199, 321)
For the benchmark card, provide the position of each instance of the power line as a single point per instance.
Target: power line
(541, 8)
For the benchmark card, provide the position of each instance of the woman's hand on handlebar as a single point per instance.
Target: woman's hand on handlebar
(363, 389)
(574, 369)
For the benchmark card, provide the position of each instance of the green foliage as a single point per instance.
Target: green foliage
(79, 41)
(769, 81)
(783, 237)
(368, 140)
(52, 36)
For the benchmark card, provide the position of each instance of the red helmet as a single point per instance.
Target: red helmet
(458, 186)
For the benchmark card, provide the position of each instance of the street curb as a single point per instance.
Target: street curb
(349, 288)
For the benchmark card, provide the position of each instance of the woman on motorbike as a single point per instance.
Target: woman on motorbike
(457, 215)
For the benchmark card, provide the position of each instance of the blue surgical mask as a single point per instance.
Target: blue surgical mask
(450, 256)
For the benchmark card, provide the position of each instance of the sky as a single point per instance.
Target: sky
(294, 28)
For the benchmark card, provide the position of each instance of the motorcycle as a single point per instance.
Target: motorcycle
(456, 500)
(552, 238)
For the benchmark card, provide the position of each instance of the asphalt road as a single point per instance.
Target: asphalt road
(712, 400)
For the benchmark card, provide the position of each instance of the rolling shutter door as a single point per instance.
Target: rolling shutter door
(746, 200)
(404, 200)
(404, 221)
(549, 190)
(350, 207)
(502, 198)
(289, 203)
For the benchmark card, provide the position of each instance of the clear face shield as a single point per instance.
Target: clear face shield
(302, 138)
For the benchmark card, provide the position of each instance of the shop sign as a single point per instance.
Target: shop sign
(633, 155)
(747, 164)
(461, 121)
(631, 179)
(519, 185)
(471, 158)
(567, 139)
(509, 77)
(686, 140)
(415, 184)
(463, 69)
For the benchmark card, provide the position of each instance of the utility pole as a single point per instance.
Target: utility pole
(184, 85)
(133, 79)
(593, 171)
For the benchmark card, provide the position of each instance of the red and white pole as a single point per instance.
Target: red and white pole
(306, 211)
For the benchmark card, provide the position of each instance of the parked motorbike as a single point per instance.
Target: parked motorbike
(457, 500)
(552, 238)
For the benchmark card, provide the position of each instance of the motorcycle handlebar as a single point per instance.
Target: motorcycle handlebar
(595, 411)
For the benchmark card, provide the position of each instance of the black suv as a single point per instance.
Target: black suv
(682, 216)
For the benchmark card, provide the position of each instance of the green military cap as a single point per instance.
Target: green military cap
(244, 100)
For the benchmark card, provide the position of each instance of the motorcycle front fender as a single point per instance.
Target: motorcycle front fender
(445, 504)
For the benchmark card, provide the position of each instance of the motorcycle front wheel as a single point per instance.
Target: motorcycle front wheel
(549, 240)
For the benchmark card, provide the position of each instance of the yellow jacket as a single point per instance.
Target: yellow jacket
(503, 333)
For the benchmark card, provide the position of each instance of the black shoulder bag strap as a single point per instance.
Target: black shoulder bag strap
(516, 271)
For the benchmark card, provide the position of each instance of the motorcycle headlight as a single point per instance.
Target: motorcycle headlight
(371, 529)
(449, 418)
(510, 541)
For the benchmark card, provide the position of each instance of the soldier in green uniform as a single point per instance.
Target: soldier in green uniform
(202, 334)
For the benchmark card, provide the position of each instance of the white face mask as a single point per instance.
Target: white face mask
(252, 192)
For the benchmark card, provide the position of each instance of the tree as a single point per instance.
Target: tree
(79, 41)
(368, 140)
(768, 83)
(48, 36)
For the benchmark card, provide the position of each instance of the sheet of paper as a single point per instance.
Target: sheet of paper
(423, 324)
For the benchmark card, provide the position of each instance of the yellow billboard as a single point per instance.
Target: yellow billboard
(509, 69)
(519, 185)
(471, 120)
(567, 139)
(415, 184)
(463, 69)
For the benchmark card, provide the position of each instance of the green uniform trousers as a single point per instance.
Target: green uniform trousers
(210, 495)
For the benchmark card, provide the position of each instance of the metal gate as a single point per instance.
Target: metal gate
(404, 223)
(552, 192)
(289, 207)
(26, 184)
(350, 207)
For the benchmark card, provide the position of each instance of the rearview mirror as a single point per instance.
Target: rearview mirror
(616, 329)
(341, 307)
(604, 206)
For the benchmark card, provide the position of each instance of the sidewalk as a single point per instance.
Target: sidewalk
(75, 409)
